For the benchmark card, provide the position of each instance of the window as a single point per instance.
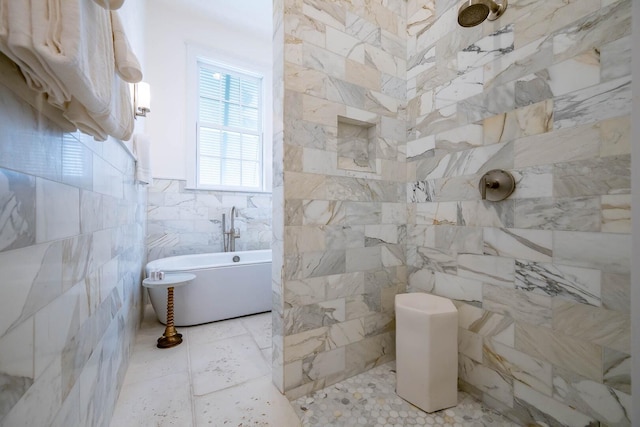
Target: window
(228, 113)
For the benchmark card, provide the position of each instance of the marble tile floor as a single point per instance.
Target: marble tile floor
(219, 376)
(369, 399)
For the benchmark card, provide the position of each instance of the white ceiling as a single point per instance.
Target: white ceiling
(254, 16)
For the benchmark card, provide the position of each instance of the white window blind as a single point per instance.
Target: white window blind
(229, 128)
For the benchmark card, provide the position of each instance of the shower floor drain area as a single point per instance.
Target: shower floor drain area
(369, 399)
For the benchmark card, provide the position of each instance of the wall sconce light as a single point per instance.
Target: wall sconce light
(141, 99)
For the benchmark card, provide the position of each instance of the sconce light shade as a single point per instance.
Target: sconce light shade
(141, 99)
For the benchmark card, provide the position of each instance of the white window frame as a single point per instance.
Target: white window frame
(197, 54)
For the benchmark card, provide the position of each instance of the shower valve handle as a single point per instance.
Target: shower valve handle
(496, 185)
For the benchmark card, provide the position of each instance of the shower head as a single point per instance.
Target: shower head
(474, 12)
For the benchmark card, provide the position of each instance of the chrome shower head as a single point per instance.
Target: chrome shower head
(474, 12)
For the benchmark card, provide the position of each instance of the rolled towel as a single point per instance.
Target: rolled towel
(142, 150)
(127, 65)
(110, 4)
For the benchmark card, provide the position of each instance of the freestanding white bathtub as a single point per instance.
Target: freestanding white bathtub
(227, 284)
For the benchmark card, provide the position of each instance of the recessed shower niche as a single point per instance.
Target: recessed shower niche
(356, 145)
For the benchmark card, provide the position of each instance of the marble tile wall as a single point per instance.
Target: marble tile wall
(541, 279)
(182, 221)
(341, 138)
(72, 225)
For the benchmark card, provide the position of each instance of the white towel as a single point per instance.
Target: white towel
(118, 122)
(20, 43)
(127, 64)
(110, 4)
(74, 38)
(142, 151)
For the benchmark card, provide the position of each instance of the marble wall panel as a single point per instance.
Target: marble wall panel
(71, 256)
(345, 193)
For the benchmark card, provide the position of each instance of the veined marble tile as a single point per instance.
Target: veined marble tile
(616, 291)
(304, 28)
(421, 281)
(487, 380)
(541, 21)
(526, 121)
(569, 214)
(317, 58)
(603, 251)
(571, 283)
(45, 394)
(495, 100)
(341, 237)
(435, 260)
(487, 269)
(459, 240)
(32, 278)
(471, 161)
(303, 239)
(57, 210)
(592, 398)
(604, 25)
(608, 175)
(301, 345)
(533, 88)
(363, 213)
(394, 213)
(437, 213)
(304, 186)
(392, 44)
(566, 145)
(321, 111)
(615, 58)
(574, 74)
(324, 364)
(362, 75)
(597, 325)
(392, 86)
(616, 213)
(460, 138)
(315, 264)
(381, 60)
(526, 244)
(421, 147)
(362, 29)
(17, 210)
(617, 370)
(486, 50)
(486, 323)
(459, 288)
(561, 350)
(421, 18)
(470, 344)
(307, 317)
(616, 138)
(604, 101)
(460, 88)
(486, 214)
(344, 333)
(532, 57)
(362, 190)
(537, 374)
(533, 182)
(304, 80)
(370, 352)
(521, 306)
(561, 415)
(330, 14)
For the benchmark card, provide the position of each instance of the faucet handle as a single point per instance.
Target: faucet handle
(236, 232)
